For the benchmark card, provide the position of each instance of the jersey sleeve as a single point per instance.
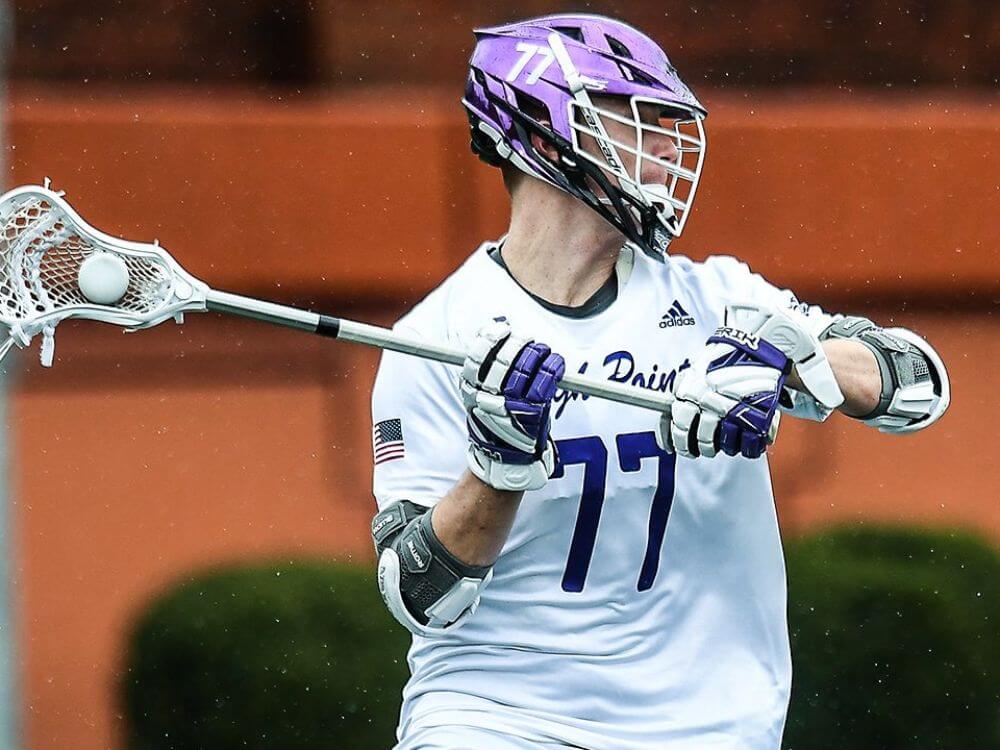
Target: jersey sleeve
(743, 285)
(419, 437)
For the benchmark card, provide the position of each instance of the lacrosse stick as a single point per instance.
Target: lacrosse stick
(55, 266)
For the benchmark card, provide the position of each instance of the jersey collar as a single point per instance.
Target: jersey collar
(600, 301)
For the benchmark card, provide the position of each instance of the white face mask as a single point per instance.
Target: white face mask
(670, 199)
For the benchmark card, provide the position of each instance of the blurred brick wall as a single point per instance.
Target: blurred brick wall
(142, 457)
(158, 41)
(723, 43)
(352, 42)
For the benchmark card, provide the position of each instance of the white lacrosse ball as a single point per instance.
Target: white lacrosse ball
(103, 278)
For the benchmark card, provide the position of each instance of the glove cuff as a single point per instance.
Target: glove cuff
(798, 343)
(492, 471)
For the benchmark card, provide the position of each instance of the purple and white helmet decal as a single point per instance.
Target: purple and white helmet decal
(636, 161)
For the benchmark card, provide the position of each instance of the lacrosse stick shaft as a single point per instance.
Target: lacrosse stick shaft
(384, 338)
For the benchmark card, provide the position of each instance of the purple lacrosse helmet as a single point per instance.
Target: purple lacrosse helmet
(526, 75)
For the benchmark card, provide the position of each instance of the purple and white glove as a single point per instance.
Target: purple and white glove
(728, 399)
(507, 387)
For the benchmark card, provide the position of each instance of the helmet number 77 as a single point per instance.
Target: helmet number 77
(529, 51)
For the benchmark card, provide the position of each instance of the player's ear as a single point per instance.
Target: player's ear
(544, 147)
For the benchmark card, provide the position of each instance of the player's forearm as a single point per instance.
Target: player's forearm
(473, 520)
(857, 374)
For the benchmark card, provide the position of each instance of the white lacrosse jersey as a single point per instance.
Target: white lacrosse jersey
(639, 601)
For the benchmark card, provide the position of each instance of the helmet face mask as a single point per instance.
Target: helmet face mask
(633, 152)
(622, 149)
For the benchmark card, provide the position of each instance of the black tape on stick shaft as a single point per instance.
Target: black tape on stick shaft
(328, 326)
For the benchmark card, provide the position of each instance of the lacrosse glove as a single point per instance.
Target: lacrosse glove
(507, 385)
(728, 400)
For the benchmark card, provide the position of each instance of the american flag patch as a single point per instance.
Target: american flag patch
(387, 439)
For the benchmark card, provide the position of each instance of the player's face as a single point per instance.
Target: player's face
(655, 144)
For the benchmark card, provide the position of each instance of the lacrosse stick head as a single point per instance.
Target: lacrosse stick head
(44, 244)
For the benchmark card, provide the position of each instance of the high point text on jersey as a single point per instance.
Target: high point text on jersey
(623, 370)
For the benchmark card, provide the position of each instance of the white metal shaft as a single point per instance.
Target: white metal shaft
(384, 338)
(269, 312)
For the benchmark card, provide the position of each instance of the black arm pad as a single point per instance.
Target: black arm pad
(428, 571)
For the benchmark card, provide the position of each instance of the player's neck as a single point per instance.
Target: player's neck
(558, 249)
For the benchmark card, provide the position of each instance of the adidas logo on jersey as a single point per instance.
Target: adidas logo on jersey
(676, 316)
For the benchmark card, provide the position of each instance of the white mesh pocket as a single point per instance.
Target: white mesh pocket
(43, 254)
(43, 244)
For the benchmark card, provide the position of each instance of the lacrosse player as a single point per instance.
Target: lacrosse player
(578, 573)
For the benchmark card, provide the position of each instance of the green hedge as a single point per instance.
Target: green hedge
(895, 641)
(297, 655)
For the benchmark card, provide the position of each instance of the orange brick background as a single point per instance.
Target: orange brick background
(315, 154)
(140, 458)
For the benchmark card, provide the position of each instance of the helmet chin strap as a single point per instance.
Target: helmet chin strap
(659, 196)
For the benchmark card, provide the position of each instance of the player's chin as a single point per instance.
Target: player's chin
(653, 175)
